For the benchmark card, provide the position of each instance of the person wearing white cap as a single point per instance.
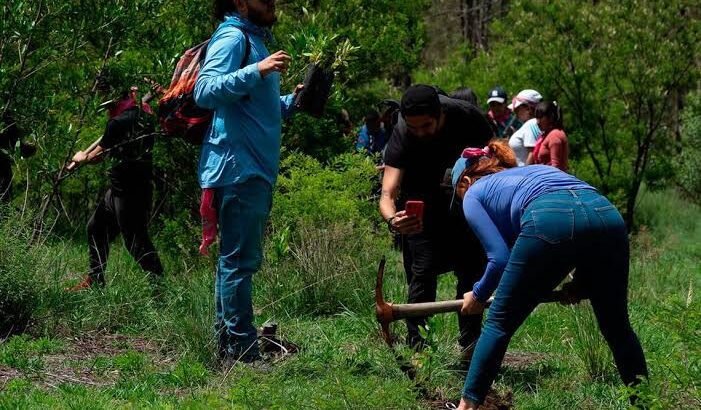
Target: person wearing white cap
(524, 139)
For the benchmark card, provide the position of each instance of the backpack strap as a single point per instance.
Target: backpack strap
(246, 56)
(247, 53)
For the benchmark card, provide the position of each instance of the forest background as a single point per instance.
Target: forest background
(625, 72)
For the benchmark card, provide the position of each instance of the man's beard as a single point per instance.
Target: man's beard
(258, 18)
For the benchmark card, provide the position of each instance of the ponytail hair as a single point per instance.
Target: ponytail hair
(552, 110)
(496, 156)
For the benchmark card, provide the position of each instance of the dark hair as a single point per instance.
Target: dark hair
(222, 8)
(465, 94)
(552, 110)
(421, 99)
(372, 115)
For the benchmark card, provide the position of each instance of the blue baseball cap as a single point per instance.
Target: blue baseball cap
(460, 165)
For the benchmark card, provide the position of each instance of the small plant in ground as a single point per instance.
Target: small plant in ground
(188, 373)
(588, 344)
(130, 362)
(329, 270)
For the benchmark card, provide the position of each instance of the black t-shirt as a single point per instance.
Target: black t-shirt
(425, 161)
(128, 139)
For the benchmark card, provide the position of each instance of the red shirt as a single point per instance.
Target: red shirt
(554, 150)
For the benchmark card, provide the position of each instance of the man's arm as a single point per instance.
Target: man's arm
(91, 155)
(220, 79)
(287, 102)
(398, 221)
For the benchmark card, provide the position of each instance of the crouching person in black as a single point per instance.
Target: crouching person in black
(126, 206)
(431, 132)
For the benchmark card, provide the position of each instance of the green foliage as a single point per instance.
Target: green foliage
(612, 65)
(19, 283)
(338, 192)
(688, 164)
(25, 354)
(322, 250)
(50, 53)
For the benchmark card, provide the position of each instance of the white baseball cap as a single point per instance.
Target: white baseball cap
(530, 97)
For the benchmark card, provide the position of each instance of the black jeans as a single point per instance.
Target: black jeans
(429, 254)
(126, 214)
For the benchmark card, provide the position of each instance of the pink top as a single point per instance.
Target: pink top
(554, 150)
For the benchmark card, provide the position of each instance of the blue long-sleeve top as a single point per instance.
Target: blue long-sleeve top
(369, 143)
(243, 140)
(493, 207)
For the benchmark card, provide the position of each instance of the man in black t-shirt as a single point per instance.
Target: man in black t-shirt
(431, 133)
(126, 207)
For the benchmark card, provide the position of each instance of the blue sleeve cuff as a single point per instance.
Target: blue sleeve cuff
(287, 105)
(477, 293)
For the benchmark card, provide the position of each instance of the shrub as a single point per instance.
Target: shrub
(688, 166)
(322, 248)
(19, 286)
(340, 191)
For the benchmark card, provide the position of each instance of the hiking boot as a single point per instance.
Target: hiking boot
(253, 362)
(86, 283)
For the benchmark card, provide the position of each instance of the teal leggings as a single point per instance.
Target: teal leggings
(560, 231)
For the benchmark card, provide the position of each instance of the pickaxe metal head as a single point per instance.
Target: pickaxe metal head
(383, 310)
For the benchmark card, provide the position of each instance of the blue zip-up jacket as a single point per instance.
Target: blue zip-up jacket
(493, 207)
(244, 139)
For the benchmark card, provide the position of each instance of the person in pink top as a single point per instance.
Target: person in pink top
(552, 148)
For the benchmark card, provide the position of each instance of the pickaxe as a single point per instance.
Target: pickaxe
(389, 312)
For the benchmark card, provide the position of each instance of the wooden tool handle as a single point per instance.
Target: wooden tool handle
(425, 309)
(402, 311)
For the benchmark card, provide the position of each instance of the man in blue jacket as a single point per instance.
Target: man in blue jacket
(240, 156)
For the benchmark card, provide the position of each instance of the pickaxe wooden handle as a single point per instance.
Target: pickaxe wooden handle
(389, 312)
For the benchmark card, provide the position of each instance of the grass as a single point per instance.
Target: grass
(164, 354)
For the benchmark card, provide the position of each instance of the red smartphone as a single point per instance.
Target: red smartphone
(415, 208)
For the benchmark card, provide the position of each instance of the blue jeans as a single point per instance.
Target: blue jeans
(560, 231)
(243, 212)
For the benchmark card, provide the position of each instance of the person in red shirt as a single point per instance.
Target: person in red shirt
(552, 148)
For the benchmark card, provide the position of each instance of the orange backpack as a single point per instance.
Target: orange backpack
(178, 113)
